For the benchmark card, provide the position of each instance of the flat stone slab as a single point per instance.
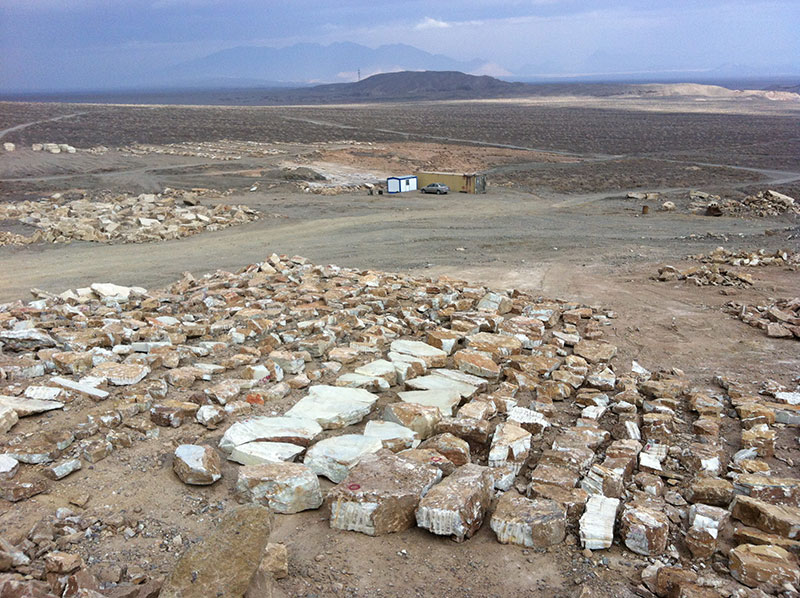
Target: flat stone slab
(256, 453)
(25, 407)
(334, 407)
(442, 383)
(121, 374)
(283, 487)
(335, 457)
(445, 400)
(44, 393)
(380, 494)
(460, 376)
(433, 357)
(393, 436)
(457, 505)
(294, 430)
(525, 522)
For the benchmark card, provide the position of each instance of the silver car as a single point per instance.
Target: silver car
(437, 188)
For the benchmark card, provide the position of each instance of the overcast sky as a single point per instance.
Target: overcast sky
(85, 43)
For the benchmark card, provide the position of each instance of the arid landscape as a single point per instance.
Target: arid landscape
(585, 286)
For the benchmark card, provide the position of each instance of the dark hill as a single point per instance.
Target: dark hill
(405, 86)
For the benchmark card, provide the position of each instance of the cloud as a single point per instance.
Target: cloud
(429, 23)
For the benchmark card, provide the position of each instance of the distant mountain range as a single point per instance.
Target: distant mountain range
(308, 63)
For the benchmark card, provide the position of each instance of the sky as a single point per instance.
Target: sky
(73, 44)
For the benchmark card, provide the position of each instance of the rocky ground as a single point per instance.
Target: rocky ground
(427, 416)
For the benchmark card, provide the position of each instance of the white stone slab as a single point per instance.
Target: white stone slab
(333, 406)
(445, 400)
(295, 430)
(255, 453)
(334, 457)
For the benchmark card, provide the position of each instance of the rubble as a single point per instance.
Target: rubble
(712, 275)
(751, 259)
(762, 204)
(602, 452)
(120, 219)
(778, 320)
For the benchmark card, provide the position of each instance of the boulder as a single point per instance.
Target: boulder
(223, 563)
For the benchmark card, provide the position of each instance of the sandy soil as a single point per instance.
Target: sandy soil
(575, 241)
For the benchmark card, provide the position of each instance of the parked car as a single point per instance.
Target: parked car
(437, 188)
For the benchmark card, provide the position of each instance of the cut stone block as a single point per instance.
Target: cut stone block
(477, 364)
(429, 457)
(444, 400)
(121, 374)
(475, 431)
(58, 471)
(335, 457)
(393, 436)
(705, 523)
(644, 530)
(510, 444)
(283, 487)
(422, 419)
(295, 430)
(767, 567)
(711, 491)
(9, 466)
(334, 407)
(380, 368)
(768, 488)
(452, 447)
(457, 505)
(433, 357)
(532, 421)
(256, 453)
(8, 418)
(197, 465)
(573, 499)
(477, 410)
(782, 520)
(380, 495)
(499, 345)
(173, 414)
(532, 523)
(359, 381)
(597, 522)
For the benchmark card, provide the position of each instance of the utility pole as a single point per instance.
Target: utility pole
(359, 74)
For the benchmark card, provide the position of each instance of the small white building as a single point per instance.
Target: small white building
(401, 184)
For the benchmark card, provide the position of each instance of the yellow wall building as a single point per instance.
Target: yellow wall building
(458, 183)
